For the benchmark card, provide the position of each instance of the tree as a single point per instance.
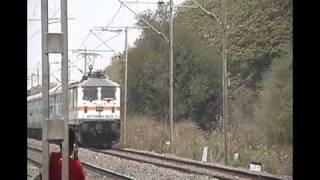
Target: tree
(257, 30)
(274, 109)
(196, 72)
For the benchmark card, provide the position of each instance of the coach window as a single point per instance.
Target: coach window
(30, 108)
(61, 105)
(55, 104)
(50, 105)
(58, 104)
(50, 110)
(37, 107)
(50, 101)
(70, 98)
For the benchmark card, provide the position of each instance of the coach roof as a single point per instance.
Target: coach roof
(98, 82)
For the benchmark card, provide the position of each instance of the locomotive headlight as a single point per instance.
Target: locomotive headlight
(99, 127)
(84, 128)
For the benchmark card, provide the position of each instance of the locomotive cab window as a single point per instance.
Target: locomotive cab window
(90, 93)
(108, 93)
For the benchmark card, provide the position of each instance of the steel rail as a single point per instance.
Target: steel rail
(187, 165)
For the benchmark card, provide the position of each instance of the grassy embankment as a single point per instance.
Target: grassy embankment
(147, 134)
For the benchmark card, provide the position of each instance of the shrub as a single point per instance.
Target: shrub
(146, 133)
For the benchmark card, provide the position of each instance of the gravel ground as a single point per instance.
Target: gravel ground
(142, 171)
(32, 171)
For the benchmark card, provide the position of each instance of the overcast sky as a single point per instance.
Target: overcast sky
(85, 14)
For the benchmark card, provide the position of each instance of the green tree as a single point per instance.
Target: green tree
(197, 77)
(115, 72)
(274, 109)
(196, 72)
(257, 31)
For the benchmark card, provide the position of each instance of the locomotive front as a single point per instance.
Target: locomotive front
(98, 112)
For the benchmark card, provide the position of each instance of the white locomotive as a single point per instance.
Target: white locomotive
(94, 110)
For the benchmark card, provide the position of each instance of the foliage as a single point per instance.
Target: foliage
(196, 72)
(259, 65)
(258, 30)
(274, 110)
(115, 72)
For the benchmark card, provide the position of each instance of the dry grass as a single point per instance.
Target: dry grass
(147, 134)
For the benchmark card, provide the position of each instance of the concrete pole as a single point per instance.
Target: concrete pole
(125, 89)
(45, 89)
(171, 75)
(64, 78)
(224, 81)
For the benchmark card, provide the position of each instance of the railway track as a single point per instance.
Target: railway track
(189, 166)
(88, 166)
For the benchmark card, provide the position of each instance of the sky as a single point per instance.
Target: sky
(83, 15)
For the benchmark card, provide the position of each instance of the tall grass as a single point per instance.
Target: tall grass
(146, 133)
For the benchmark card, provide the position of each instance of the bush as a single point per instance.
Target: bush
(274, 110)
(146, 133)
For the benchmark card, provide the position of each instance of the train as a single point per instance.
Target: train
(94, 110)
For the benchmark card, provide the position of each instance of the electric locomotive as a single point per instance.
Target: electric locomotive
(94, 110)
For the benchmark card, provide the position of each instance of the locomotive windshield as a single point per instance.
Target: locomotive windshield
(108, 93)
(90, 93)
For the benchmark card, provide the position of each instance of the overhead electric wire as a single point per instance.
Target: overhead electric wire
(112, 19)
(146, 22)
(32, 36)
(86, 38)
(112, 37)
(103, 42)
(73, 65)
(114, 16)
(35, 7)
